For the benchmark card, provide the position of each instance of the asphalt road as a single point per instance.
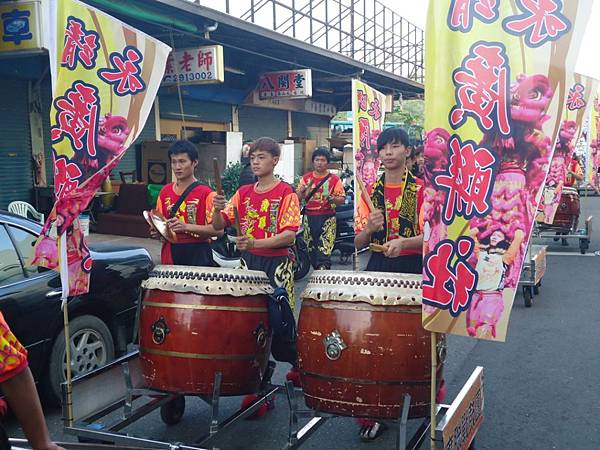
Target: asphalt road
(540, 385)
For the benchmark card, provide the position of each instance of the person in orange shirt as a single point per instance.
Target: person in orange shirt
(189, 218)
(18, 387)
(321, 192)
(397, 197)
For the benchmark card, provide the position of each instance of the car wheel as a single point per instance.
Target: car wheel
(92, 346)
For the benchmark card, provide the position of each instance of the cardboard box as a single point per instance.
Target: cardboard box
(156, 165)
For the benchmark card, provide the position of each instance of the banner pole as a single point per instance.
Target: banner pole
(433, 389)
(64, 279)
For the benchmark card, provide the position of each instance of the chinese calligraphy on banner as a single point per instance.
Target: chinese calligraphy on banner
(200, 65)
(368, 114)
(573, 116)
(496, 87)
(105, 76)
(289, 83)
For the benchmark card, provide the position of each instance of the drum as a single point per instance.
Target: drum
(361, 345)
(567, 214)
(196, 321)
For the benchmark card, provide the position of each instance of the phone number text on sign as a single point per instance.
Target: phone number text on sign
(195, 66)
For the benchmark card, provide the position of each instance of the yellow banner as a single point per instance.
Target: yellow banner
(497, 80)
(105, 76)
(368, 114)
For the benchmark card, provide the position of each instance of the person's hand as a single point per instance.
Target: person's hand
(177, 226)
(219, 203)
(393, 247)
(375, 221)
(244, 243)
(303, 191)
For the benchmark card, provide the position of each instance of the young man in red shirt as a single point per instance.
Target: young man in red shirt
(269, 214)
(397, 197)
(322, 192)
(18, 387)
(191, 220)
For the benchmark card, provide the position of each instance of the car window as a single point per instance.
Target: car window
(10, 266)
(24, 241)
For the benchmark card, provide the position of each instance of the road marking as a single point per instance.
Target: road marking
(569, 254)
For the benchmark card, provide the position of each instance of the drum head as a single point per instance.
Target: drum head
(376, 288)
(157, 221)
(208, 280)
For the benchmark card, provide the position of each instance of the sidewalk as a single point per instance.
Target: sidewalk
(152, 245)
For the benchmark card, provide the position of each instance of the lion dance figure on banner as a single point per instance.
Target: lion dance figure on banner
(500, 236)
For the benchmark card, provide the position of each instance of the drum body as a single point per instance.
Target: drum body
(567, 214)
(361, 345)
(196, 321)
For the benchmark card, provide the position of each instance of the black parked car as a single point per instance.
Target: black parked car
(101, 322)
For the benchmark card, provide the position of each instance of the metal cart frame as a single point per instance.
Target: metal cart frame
(584, 235)
(534, 269)
(121, 383)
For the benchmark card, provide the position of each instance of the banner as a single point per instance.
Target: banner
(564, 148)
(368, 114)
(105, 76)
(594, 140)
(497, 82)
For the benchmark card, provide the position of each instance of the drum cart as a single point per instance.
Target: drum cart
(583, 235)
(459, 421)
(125, 399)
(534, 269)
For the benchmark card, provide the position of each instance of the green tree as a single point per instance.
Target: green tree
(411, 114)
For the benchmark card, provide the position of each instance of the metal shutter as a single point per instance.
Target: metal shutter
(194, 109)
(259, 122)
(311, 126)
(16, 176)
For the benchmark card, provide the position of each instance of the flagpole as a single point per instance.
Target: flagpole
(433, 389)
(64, 279)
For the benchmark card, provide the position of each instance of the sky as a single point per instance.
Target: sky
(588, 63)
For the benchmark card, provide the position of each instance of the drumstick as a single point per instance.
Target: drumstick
(376, 248)
(217, 176)
(365, 194)
(236, 223)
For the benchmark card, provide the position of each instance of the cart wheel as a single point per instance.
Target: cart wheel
(527, 295)
(172, 412)
(536, 289)
(584, 244)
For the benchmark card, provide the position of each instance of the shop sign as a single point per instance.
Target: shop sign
(288, 83)
(324, 109)
(20, 28)
(200, 65)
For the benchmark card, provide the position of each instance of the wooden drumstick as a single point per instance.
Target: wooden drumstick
(217, 174)
(365, 194)
(376, 248)
(236, 223)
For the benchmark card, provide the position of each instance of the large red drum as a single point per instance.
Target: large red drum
(361, 344)
(567, 214)
(196, 321)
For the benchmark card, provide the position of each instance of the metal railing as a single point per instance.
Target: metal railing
(364, 30)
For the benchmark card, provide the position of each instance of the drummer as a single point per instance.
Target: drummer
(269, 213)
(574, 172)
(188, 207)
(397, 197)
(269, 218)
